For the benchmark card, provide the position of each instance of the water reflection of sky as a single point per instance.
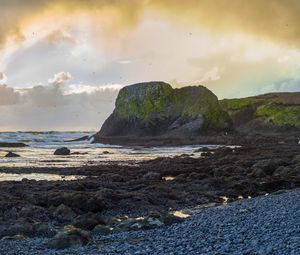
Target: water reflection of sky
(38, 177)
(88, 155)
(41, 147)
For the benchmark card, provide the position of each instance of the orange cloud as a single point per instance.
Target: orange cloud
(275, 20)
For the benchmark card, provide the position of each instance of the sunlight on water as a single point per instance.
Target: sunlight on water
(38, 177)
(168, 178)
(42, 145)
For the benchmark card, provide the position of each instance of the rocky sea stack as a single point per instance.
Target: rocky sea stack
(156, 109)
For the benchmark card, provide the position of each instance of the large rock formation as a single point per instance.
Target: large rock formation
(155, 108)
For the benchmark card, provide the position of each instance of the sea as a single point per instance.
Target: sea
(41, 147)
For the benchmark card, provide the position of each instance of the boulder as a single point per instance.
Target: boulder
(34, 212)
(268, 166)
(64, 212)
(88, 221)
(64, 151)
(69, 237)
(12, 155)
(44, 230)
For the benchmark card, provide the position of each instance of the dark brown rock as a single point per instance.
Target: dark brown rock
(64, 151)
(12, 155)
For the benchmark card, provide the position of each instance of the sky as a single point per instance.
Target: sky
(62, 62)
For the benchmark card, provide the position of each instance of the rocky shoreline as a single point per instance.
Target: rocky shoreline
(231, 138)
(111, 193)
(263, 225)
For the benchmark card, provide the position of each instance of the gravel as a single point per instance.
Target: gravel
(263, 225)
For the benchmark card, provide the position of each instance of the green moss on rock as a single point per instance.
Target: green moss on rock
(154, 100)
(234, 106)
(143, 100)
(190, 101)
(277, 110)
(279, 115)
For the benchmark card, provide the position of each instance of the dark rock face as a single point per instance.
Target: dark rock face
(12, 155)
(62, 151)
(155, 108)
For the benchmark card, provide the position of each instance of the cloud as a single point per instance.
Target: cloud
(51, 108)
(234, 47)
(291, 85)
(44, 96)
(8, 96)
(60, 78)
(60, 36)
(276, 20)
(3, 78)
(88, 89)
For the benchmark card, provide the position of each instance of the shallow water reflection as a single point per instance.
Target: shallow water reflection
(39, 177)
(90, 154)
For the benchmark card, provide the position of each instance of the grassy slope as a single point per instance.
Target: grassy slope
(280, 109)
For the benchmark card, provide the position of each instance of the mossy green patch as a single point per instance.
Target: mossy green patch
(279, 115)
(143, 101)
(234, 106)
(269, 110)
(157, 100)
(192, 101)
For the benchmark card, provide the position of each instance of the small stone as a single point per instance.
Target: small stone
(12, 155)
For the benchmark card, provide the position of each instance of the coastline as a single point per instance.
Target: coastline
(218, 138)
(263, 225)
(113, 190)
